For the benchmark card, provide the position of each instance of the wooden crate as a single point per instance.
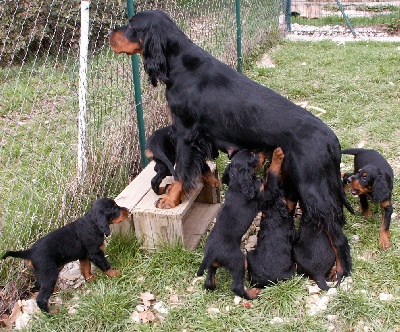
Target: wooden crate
(186, 223)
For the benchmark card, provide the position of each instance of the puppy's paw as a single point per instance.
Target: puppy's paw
(91, 278)
(113, 273)
(253, 293)
(166, 203)
(277, 160)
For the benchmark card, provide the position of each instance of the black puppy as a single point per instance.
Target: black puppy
(313, 253)
(82, 239)
(161, 147)
(372, 178)
(242, 199)
(271, 260)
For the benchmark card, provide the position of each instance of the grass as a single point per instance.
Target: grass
(357, 84)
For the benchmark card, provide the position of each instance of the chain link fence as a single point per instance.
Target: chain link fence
(39, 70)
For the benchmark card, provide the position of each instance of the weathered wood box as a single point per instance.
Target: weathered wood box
(185, 223)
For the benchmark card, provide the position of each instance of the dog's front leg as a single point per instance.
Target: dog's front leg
(101, 262)
(384, 234)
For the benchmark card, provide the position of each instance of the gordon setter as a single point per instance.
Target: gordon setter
(272, 259)
(313, 253)
(81, 239)
(372, 178)
(241, 205)
(210, 101)
(160, 147)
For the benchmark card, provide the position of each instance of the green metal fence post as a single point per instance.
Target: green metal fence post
(346, 18)
(138, 94)
(288, 15)
(239, 38)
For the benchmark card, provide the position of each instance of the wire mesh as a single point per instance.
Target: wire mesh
(39, 66)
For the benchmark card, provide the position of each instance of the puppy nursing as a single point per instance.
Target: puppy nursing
(242, 203)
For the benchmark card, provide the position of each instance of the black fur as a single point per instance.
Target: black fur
(271, 260)
(242, 203)
(211, 101)
(161, 147)
(313, 253)
(81, 239)
(372, 178)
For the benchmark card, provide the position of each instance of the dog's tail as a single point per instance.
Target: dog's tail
(24, 254)
(345, 202)
(352, 151)
(204, 265)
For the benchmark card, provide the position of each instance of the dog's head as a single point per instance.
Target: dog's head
(107, 212)
(147, 33)
(240, 172)
(369, 180)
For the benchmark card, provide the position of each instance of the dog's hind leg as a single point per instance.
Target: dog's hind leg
(238, 278)
(47, 278)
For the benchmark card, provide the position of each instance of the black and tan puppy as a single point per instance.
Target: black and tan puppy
(372, 178)
(313, 253)
(272, 259)
(242, 203)
(161, 147)
(82, 239)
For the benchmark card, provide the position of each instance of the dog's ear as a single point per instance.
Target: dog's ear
(380, 190)
(154, 54)
(225, 177)
(246, 183)
(102, 222)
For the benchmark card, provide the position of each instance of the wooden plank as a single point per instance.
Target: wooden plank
(155, 226)
(197, 222)
(139, 187)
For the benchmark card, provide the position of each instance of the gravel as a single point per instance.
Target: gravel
(339, 34)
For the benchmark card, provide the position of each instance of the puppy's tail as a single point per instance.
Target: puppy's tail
(352, 151)
(24, 254)
(204, 265)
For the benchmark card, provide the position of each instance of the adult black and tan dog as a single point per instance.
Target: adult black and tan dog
(211, 101)
(81, 239)
(160, 147)
(272, 259)
(372, 178)
(243, 199)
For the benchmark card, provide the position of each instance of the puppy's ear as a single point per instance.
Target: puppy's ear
(225, 177)
(102, 222)
(380, 190)
(246, 183)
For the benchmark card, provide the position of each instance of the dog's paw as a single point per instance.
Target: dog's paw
(277, 160)
(253, 293)
(166, 203)
(113, 273)
(384, 241)
(91, 278)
